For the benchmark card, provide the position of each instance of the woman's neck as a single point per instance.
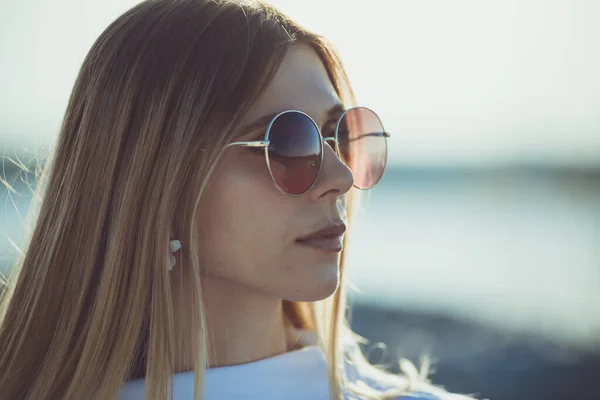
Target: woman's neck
(243, 327)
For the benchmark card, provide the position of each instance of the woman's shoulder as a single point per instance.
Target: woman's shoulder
(410, 385)
(429, 396)
(400, 387)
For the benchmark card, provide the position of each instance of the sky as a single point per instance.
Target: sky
(464, 82)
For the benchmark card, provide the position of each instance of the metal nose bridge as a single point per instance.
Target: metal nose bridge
(334, 147)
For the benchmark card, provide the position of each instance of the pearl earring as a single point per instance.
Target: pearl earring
(174, 245)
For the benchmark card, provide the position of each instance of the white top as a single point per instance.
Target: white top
(295, 375)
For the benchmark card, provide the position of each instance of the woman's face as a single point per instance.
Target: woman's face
(249, 229)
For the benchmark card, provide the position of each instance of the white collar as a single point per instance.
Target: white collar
(297, 374)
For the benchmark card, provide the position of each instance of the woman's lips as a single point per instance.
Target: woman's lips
(328, 239)
(328, 244)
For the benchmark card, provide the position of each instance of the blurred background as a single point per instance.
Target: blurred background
(481, 245)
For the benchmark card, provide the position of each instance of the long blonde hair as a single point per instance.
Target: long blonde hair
(160, 92)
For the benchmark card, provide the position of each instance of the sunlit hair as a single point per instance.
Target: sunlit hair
(88, 304)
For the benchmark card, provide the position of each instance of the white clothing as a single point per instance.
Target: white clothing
(295, 375)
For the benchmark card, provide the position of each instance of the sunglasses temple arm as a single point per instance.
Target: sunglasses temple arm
(376, 134)
(255, 143)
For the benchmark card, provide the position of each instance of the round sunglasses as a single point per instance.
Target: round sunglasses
(294, 148)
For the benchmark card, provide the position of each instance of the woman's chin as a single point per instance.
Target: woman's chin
(318, 287)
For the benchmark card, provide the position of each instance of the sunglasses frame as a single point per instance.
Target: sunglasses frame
(265, 144)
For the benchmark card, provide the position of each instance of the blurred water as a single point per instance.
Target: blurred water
(515, 248)
(518, 249)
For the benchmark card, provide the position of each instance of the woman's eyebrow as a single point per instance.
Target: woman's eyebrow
(334, 111)
(258, 124)
(261, 123)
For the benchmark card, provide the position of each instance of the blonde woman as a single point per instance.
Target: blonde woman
(188, 237)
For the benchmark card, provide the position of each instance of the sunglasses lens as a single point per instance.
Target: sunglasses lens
(294, 152)
(363, 146)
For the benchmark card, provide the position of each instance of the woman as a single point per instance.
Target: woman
(190, 232)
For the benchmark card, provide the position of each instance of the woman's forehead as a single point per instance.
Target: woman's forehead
(301, 83)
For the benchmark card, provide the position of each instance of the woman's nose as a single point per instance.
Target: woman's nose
(335, 178)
